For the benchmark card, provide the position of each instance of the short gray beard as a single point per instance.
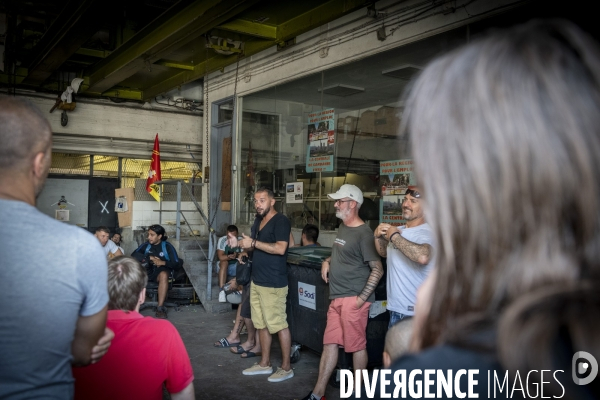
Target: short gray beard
(342, 214)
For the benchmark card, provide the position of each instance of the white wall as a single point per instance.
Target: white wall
(104, 127)
(145, 213)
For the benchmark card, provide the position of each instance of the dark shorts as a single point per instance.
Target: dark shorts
(153, 276)
(245, 312)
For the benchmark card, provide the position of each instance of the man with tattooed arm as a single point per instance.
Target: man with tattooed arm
(408, 249)
(353, 271)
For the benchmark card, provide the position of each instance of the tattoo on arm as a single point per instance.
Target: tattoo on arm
(374, 277)
(420, 253)
(381, 246)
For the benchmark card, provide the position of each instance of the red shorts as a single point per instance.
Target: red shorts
(346, 324)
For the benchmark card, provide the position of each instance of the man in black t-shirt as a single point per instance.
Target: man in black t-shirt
(268, 245)
(161, 258)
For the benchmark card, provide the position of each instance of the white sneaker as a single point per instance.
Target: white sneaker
(256, 369)
(281, 375)
(222, 297)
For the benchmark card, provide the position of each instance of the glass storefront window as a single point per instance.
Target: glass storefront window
(351, 114)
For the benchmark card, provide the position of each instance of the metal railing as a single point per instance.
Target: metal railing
(212, 236)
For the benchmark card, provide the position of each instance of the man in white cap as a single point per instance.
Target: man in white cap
(353, 271)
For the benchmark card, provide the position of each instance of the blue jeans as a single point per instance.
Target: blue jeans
(231, 269)
(396, 317)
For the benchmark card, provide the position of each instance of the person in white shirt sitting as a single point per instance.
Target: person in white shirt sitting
(110, 248)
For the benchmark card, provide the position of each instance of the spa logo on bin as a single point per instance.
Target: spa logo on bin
(306, 295)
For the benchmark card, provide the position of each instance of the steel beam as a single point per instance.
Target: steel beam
(175, 64)
(250, 28)
(179, 25)
(78, 21)
(121, 93)
(17, 78)
(318, 16)
(215, 63)
(311, 19)
(93, 53)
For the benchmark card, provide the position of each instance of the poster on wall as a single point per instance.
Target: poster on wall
(395, 177)
(61, 215)
(294, 192)
(321, 141)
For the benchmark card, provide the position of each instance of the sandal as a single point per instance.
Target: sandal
(223, 342)
(238, 350)
(250, 354)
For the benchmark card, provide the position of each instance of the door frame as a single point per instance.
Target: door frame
(215, 157)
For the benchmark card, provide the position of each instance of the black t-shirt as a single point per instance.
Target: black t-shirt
(270, 270)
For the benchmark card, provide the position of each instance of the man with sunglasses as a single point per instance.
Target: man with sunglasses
(353, 272)
(408, 249)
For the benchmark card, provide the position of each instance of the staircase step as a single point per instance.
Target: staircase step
(194, 255)
(212, 304)
(191, 243)
(196, 272)
(196, 268)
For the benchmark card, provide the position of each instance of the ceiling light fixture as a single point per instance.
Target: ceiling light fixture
(406, 71)
(342, 90)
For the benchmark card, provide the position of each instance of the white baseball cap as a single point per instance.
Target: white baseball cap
(350, 191)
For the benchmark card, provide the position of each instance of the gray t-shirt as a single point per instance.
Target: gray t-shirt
(52, 273)
(349, 268)
(405, 276)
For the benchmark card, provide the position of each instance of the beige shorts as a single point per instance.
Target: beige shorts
(268, 307)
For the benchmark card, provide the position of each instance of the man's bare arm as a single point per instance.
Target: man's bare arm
(185, 394)
(88, 331)
(272, 248)
(420, 253)
(222, 256)
(374, 277)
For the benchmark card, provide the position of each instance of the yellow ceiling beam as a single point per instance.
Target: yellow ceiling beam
(179, 25)
(215, 63)
(318, 16)
(250, 28)
(175, 64)
(93, 53)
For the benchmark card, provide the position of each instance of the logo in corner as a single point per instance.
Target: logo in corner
(584, 368)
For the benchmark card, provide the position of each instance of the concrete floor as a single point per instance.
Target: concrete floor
(218, 372)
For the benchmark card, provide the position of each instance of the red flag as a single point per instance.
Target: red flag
(154, 173)
(250, 166)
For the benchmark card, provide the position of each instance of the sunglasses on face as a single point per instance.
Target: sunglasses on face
(413, 193)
